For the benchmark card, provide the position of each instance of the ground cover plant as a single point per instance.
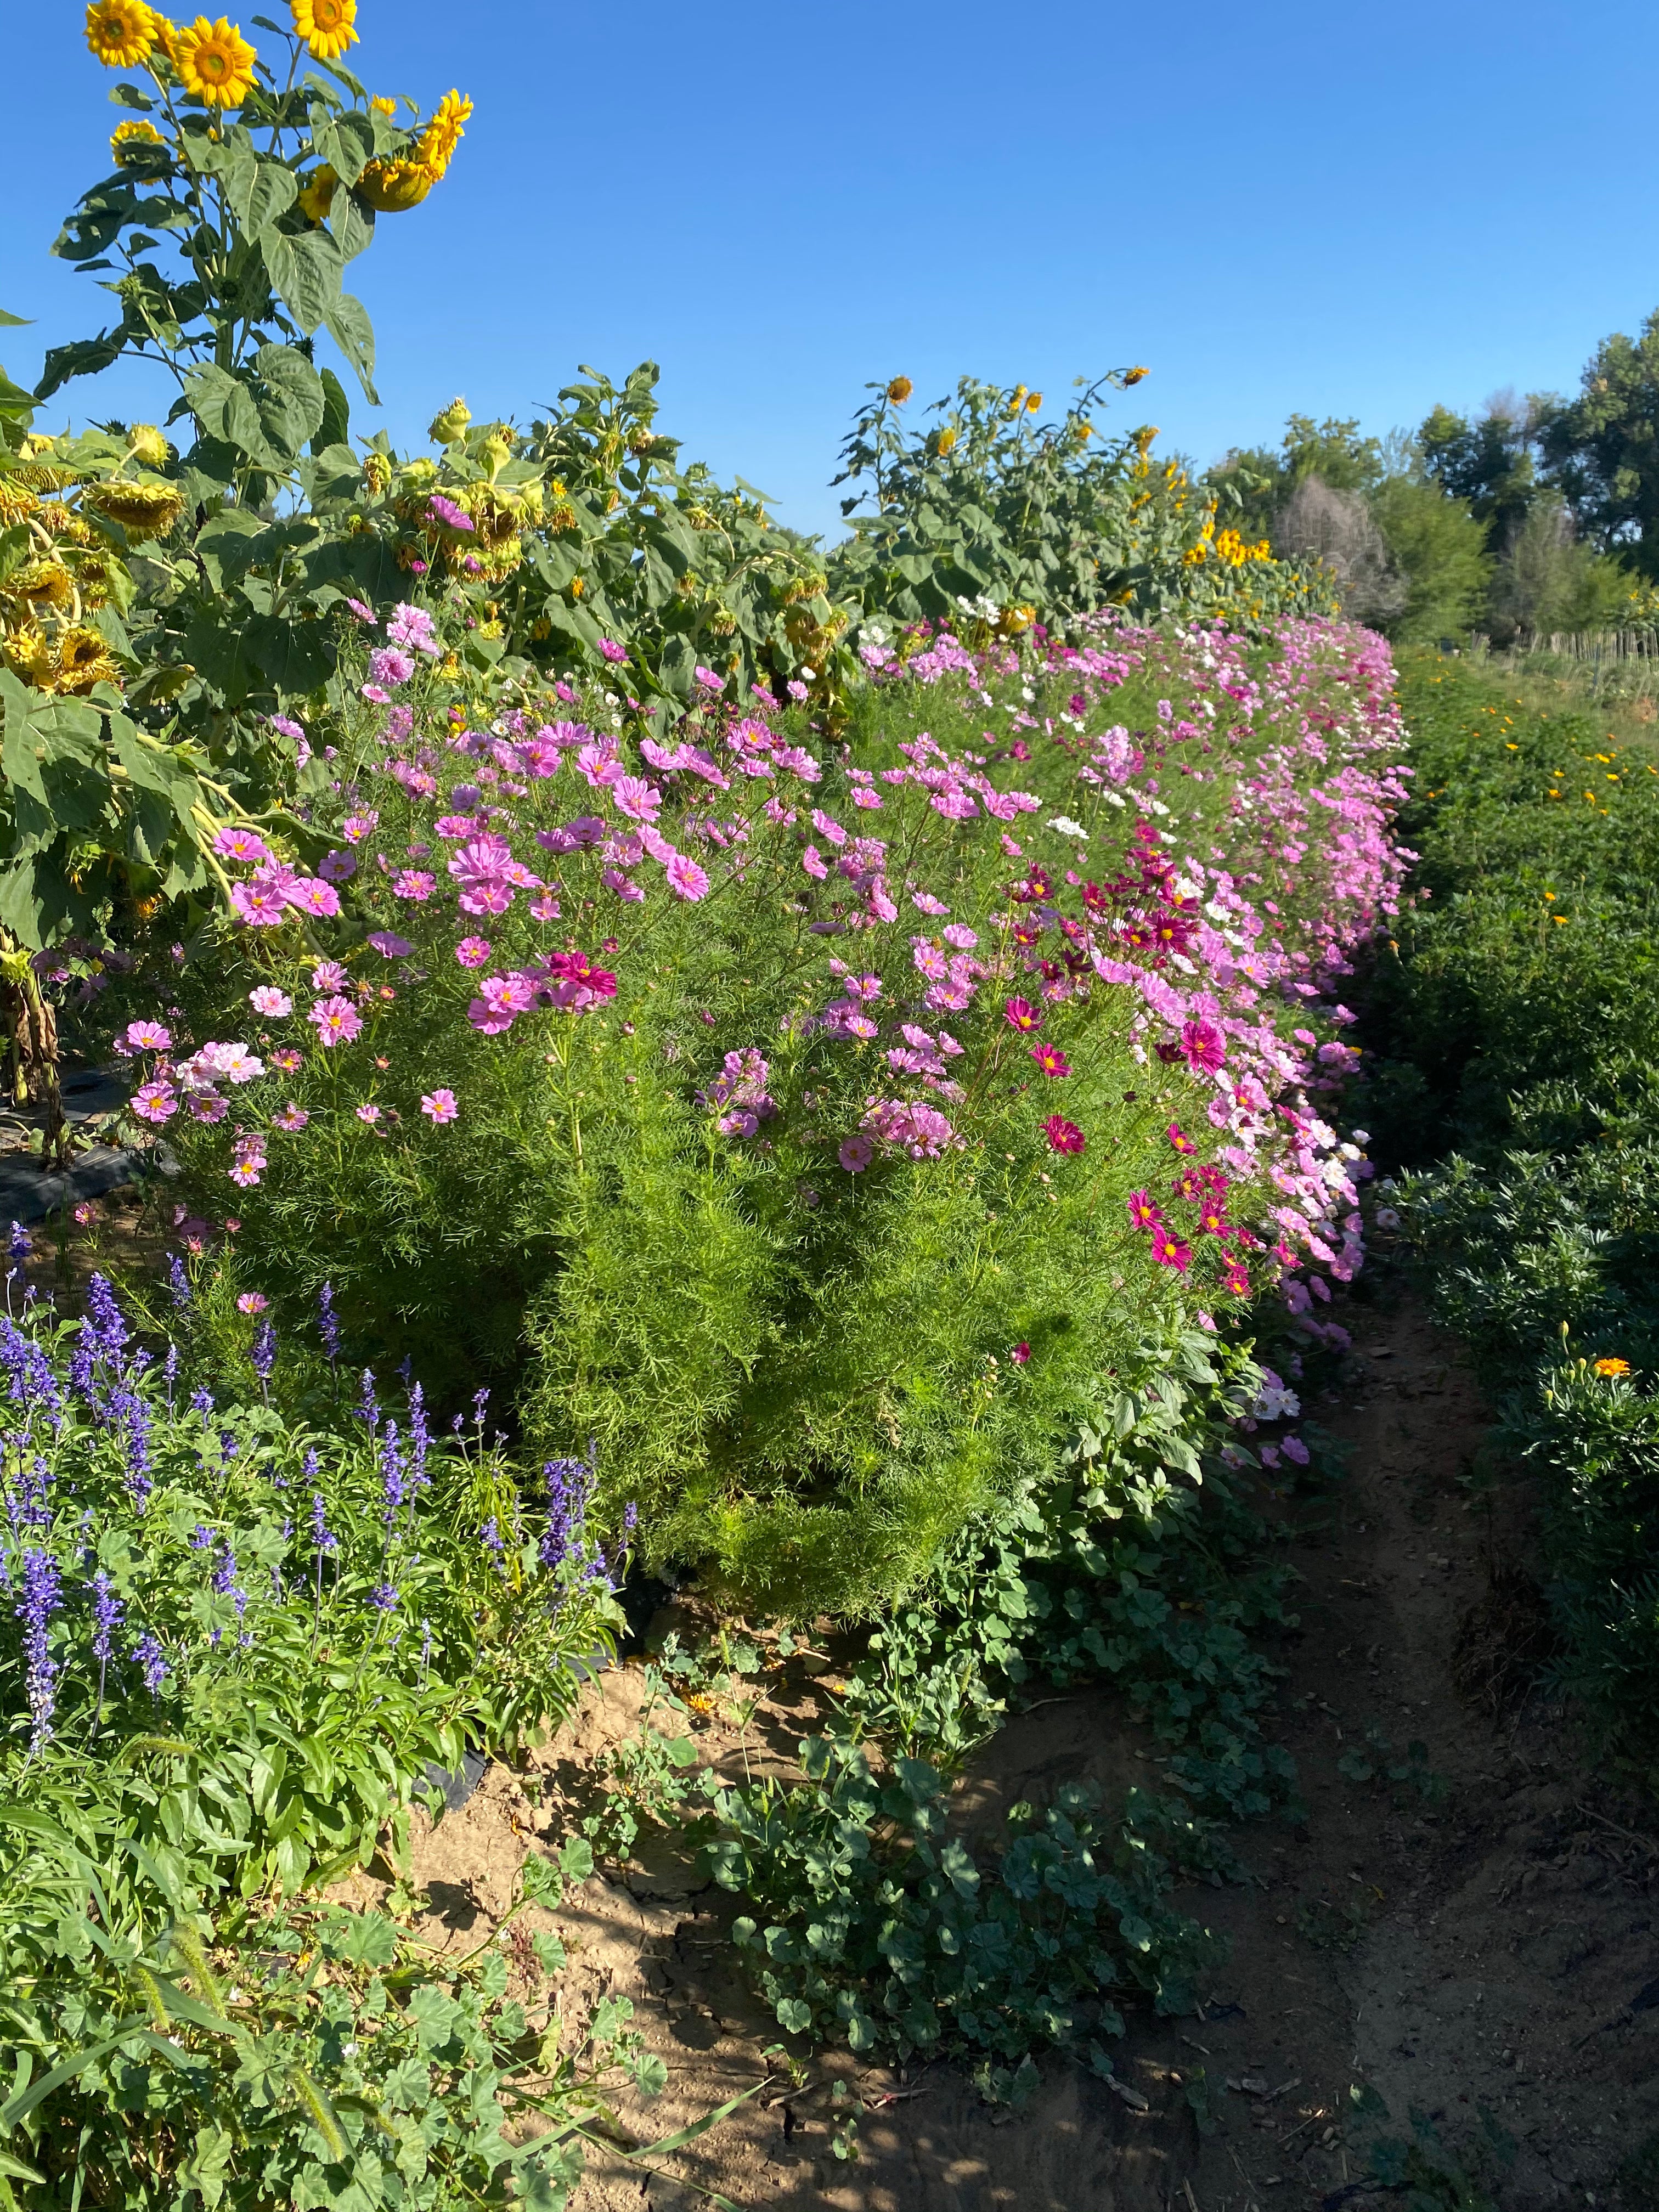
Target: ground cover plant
(1517, 1018)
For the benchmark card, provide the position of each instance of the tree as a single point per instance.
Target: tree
(1601, 450)
(1441, 549)
(1488, 461)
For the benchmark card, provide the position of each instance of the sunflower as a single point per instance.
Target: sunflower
(142, 510)
(26, 653)
(443, 134)
(900, 390)
(130, 141)
(328, 26)
(215, 62)
(149, 445)
(379, 105)
(947, 438)
(120, 32)
(317, 193)
(84, 660)
(17, 502)
(1133, 376)
(393, 187)
(43, 584)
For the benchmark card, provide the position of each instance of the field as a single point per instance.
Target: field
(863, 1416)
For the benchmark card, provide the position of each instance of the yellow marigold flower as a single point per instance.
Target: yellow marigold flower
(328, 26)
(1133, 376)
(142, 510)
(900, 390)
(443, 134)
(317, 193)
(129, 138)
(120, 32)
(215, 62)
(394, 187)
(947, 438)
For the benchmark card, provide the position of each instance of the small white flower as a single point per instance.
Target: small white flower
(1068, 828)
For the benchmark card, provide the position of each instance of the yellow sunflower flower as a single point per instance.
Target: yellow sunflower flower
(128, 139)
(328, 26)
(215, 62)
(143, 508)
(443, 135)
(900, 390)
(84, 660)
(317, 193)
(149, 445)
(379, 105)
(1133, 376)
(947, 438)
(120, 32)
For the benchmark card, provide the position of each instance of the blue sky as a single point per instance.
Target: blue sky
(1288, 207)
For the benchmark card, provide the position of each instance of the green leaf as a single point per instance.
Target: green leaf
(13, 322)
(227, 410)
(261, 193)
(334, 429)
(307, 272)
(294, 401)
(349, 326)
(298, 657)
(352, 221)
(346, 142)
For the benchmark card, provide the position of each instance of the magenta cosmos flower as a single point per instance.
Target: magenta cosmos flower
(1063, 1136)
(1169, 1252)
(1021, 1014)
(1203, 1046)
(1051, 1059)
(473, 951)
(685, 878)
(439, 1106)
(1142, 1211)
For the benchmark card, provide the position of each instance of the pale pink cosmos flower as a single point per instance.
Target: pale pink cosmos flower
(292, 1117)
(147, 1037)
(633, 796)
(154, 1103)
(310, 894)
(812, 861)
(268, 1000)
(709, 681)
(336, 1020)
(241, 845)
(546, 908)
(438, 1107)
(856, 1151)
(415, 883)
(388, 663)
(258, 906)
(328, 975)
(370, 1113)
(411, 626)
(251, 1302)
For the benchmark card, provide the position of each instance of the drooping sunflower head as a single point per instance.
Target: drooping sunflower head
(450, 424)
(443, 134)
(120, 32)
(17, 502)
(84, 660)
(947, 438)
(26, 652)
(43, 583)
(393, 187)
(328, 26)
(215, 62)
(900, 390)
(130, 141)
(143, 509)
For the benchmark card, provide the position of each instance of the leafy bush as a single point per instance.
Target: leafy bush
(819, 1222)
(1518, 1021)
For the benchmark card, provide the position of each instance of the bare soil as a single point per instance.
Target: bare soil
(1478, 1942)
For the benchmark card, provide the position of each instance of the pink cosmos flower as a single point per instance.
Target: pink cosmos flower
(1203, 1046)
(1293, 1447)
(546, 908)
(207, 1106)
(286, 1061)
(1182, 1144)
(438, 1107)
(390, 946)
(614, 653)
(856, 1152)
(147, 1037)
(1237, 1279)
(959, 934)
(292, 1117)
(633, 796)
(473, 951)
(685, 878)
(1063, 1136)
(310, 894)
(412, 626)
(1021, 1014)
(1169, 1252)
(389, 664)
(241, 845)
(251, 1302)
(446, 511)
(813, 863)
(708, 680)
(154, 1103)
(363, 614)
(415, 883)
(356, 827)
(336, 1020)
(370, 1113)
(1051, 1059)
(267, 999)
(328, 975)
(245, 1174)
(258, 906)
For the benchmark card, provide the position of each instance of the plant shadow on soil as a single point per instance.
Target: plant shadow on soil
(1466, 1923)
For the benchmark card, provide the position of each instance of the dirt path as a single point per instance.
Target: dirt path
(1475, 1940)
